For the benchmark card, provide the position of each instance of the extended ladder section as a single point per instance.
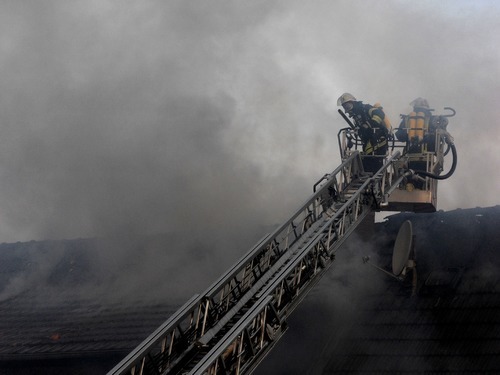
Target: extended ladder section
(231, 326)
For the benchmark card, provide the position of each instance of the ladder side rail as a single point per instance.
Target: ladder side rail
(306, 269)
(252, 323)
(148, 351)
(386, 178)
(297, 278)
(347, 217)
(356, 209)
(281, 233)
(286, 234)
(134, 360)
(175, 328)
(251, 350)
(310, 266)
(253, 292)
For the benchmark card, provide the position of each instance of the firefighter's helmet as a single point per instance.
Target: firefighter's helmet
(344, 98)
(420, 103)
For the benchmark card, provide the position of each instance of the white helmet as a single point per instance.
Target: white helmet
(344, 98)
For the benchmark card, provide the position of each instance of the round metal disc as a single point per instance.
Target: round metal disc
(402, 248)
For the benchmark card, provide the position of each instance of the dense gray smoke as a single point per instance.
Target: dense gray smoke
(214, 119)
(158, 116)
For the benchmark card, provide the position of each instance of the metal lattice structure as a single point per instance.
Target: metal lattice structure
(231, 326)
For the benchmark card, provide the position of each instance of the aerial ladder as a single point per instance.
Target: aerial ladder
(229, 328)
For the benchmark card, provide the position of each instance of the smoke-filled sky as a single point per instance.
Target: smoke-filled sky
(153, 116)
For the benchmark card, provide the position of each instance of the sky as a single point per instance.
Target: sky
(121, 117)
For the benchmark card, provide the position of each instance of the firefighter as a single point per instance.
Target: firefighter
(415, 124)
(370, 127)
(418, 128)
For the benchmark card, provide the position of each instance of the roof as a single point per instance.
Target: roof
(435, 331)
(75, 329)
(357, 319)
(63, 301)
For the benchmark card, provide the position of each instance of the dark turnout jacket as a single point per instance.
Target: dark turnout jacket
(369, 121)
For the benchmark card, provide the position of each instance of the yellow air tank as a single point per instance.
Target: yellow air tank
(412, 125)
(386, 120)
(420, 125)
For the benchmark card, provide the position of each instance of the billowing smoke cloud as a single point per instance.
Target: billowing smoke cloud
(112, 124)
(158, 116)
